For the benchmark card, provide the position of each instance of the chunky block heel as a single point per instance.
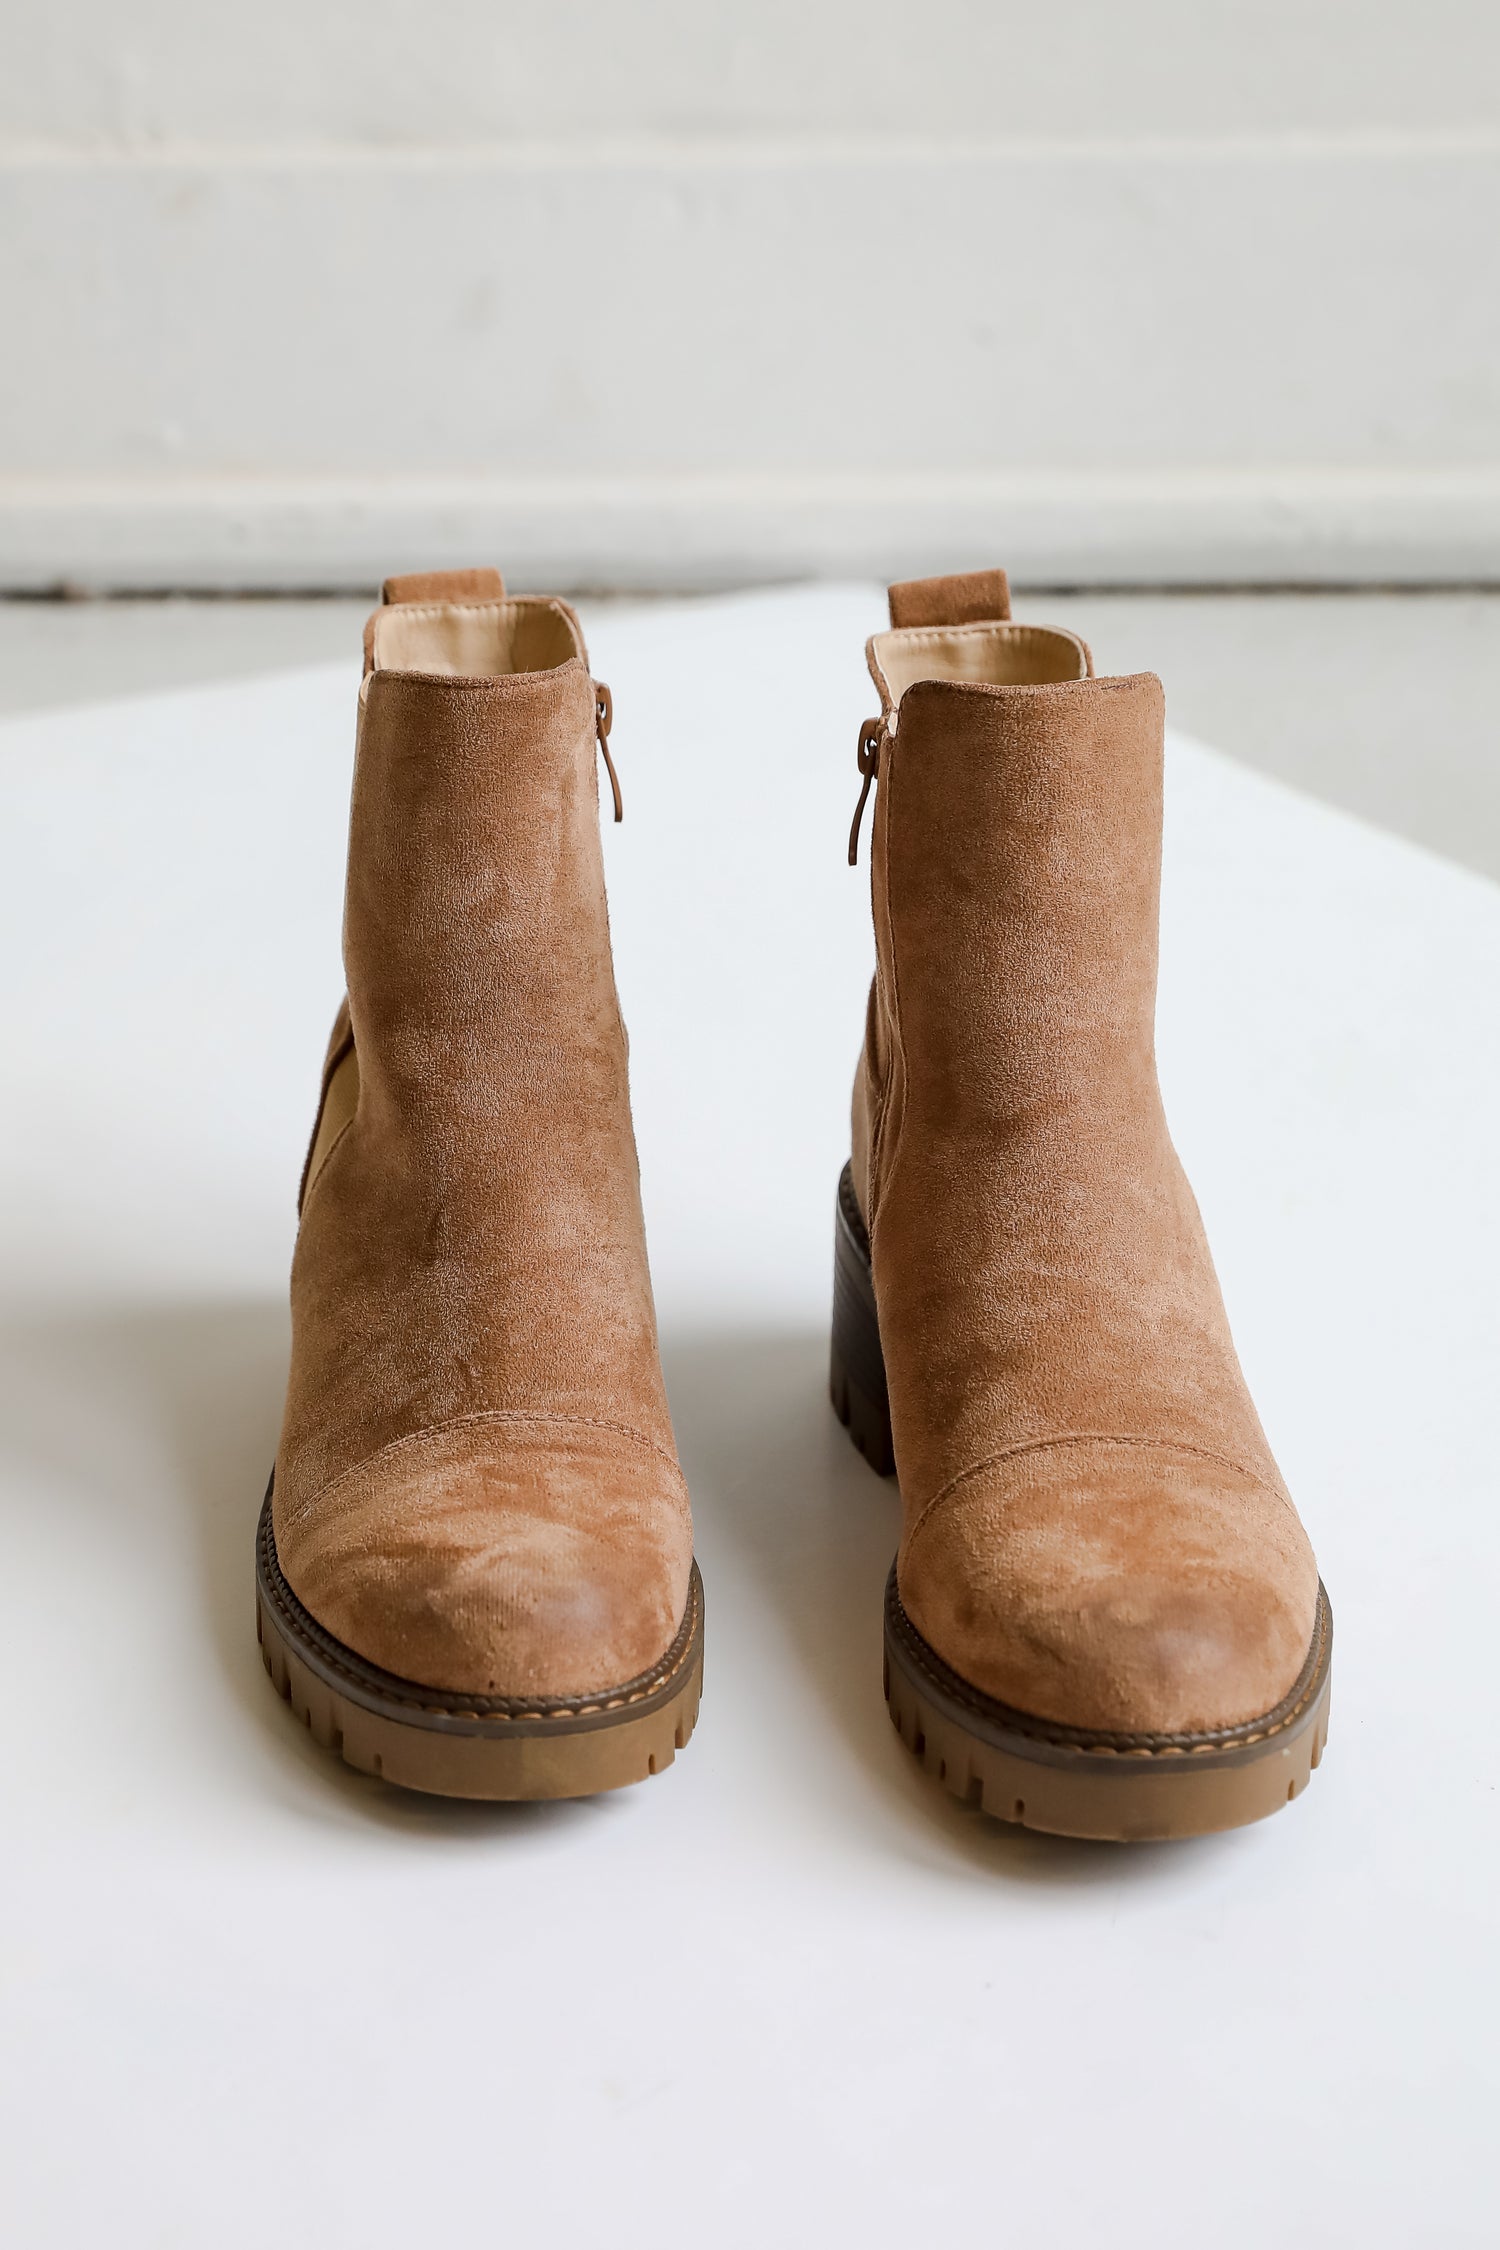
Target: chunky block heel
(856, 1372)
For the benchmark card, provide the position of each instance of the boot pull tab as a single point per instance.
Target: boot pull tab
(871, 735)
(604, 713)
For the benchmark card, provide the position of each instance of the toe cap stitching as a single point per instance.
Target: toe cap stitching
(1083, 1438)
(500, 1416)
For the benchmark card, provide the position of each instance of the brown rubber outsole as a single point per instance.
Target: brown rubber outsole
(501, 1748)
(1067, 1781)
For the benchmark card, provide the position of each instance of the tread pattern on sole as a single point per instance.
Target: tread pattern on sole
(492, 1748)
(1138, 1804)
(645, 1744)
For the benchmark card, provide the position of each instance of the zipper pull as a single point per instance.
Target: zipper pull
(871, 735)
(604, 712)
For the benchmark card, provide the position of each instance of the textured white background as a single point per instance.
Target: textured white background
(682, 293)
(789, 1993)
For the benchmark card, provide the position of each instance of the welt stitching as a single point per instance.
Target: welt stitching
(510, 1415)
(524, 1713)
(1122, 1745)
(518, 1710)
(1088, 1437)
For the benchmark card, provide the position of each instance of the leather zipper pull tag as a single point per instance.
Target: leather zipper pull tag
(604, 713)
(869, 765)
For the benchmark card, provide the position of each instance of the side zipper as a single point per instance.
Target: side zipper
(604, 714)
(871, 736)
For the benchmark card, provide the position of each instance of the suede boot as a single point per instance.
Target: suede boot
(475, 1569)
(1104, 1618)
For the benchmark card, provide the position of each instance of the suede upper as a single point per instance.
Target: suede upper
(477, 1486)
(1095, 1530)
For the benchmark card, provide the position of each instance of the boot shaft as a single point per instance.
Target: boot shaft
(476, 934)
(1011, 1158)
(1016, 864)
(472, 1241)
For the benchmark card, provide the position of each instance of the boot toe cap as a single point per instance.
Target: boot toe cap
(509, 1556)
(1116, 1586)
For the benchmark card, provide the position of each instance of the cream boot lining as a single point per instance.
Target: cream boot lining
(474, 640)
(1000, 655)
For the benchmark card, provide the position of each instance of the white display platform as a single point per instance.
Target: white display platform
(790, 1992)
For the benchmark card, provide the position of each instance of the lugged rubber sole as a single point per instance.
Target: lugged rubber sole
(1068, 1781)
(482, 1746)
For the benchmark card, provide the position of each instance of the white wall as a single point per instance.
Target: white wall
(678, 293)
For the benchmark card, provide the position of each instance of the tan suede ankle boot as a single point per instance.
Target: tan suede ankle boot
(1104, 1618)
(475, 1568)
